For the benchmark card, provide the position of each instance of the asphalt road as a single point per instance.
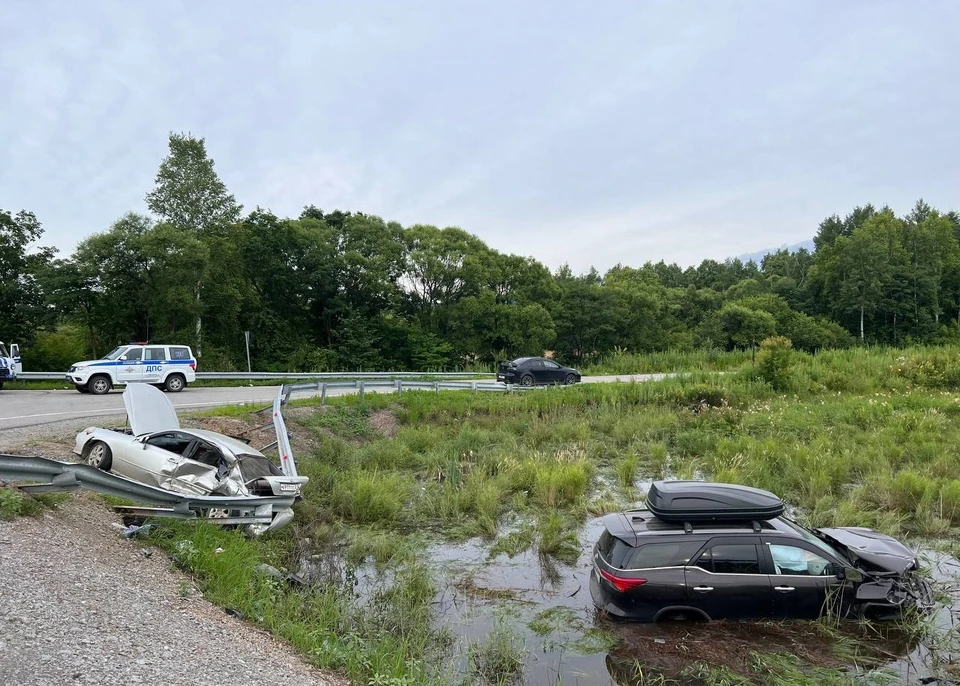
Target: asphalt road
(30, 408)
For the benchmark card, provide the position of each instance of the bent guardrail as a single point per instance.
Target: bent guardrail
(56, 476)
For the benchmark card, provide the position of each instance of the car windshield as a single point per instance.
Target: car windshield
(3, 351)
(115, 353)
(811, 537)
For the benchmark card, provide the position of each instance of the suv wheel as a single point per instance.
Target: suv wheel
(99, 385)
(175, 383)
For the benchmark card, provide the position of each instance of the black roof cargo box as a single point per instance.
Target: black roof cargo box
(699, 501)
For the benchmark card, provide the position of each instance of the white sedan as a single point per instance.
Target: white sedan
(155, 450)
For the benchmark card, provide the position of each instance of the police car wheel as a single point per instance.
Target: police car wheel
(99, 385)
(174, 383)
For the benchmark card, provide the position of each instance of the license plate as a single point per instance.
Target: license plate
(289, 487)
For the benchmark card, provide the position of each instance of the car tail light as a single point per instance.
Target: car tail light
(622, 584)
(193, 366)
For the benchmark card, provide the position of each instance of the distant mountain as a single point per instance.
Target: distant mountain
(758, 256)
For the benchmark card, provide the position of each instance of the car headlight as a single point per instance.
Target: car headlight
(79, 367)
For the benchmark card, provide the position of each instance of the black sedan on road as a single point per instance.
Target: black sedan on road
(531, 371)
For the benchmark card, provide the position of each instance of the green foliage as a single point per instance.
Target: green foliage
(339, 290)
(933, 369)
(22, 267)
(56, 349)
(16, 503)
(498, 658)
(188, 193)
(774, 360)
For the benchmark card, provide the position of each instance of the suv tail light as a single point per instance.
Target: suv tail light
(193, 366)
(621, 583)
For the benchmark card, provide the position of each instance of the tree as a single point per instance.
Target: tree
(743, 326)
(867, 261)
(21, 296)
(188, 193)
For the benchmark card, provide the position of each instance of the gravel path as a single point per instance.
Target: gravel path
(81, 605)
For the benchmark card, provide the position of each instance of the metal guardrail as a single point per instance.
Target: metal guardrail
(399, 386)
(266, 376)
(68, 476)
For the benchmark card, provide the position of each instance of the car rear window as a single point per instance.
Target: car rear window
(673, 554)
(613, 550)
(178, 353)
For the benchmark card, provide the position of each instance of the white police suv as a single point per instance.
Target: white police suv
(170, 367)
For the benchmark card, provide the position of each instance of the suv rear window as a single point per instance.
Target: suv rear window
(674, 554)
(613, 550)
(178, 353)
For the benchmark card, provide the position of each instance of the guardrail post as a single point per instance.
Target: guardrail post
(323, 394)
(473, 386)
(361, 389)
(286, 394)
(399, 387)
(436, 386)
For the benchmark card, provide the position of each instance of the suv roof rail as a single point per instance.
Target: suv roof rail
(688, 528)
(755, 525)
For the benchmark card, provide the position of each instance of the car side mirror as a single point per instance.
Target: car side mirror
(850, 574)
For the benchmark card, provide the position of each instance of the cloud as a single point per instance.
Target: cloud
(592, 134)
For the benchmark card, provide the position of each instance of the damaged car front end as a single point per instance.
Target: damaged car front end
(886, 574)
(155, 450)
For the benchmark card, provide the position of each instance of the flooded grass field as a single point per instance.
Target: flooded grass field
(446, 538)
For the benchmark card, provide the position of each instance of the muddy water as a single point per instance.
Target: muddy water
(567, 643)
(548, 604)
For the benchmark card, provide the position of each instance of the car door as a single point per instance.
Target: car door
(154, 358)
(152, 458)
(129, 368)
(804, 582)
(727, 580)
(552, 371)
(540, 373)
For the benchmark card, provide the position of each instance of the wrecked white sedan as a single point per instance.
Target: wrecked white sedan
(155, 450)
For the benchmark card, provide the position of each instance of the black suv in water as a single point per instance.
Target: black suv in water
(709, 551)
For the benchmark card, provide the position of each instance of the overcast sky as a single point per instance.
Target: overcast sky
(583, 132)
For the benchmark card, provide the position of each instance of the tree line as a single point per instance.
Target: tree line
(344, 290)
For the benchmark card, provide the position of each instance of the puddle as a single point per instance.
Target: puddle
(568, 643)
(549, 606)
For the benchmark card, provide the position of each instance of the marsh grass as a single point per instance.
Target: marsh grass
(388, 637)
(498, 658)
(857, 437)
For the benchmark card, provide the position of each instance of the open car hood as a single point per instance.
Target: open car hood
(149, 410)
(872, 547)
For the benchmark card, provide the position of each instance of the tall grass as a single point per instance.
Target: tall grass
(853, 437)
